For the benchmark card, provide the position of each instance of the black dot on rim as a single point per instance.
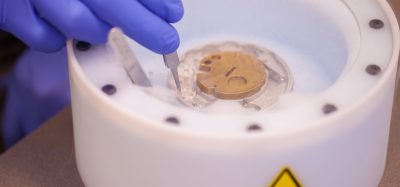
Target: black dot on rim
(254, 128)
(172, 120)
(376, 24)
(329, 108)
(82, 46)
(373, 69)
(109, 89)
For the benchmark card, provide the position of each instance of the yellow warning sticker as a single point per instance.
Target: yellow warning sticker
(286, 178)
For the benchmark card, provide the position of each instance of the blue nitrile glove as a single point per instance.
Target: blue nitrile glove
(45, 24)
(37, 89)
(38, 86)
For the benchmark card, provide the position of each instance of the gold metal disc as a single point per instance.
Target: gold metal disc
(231, 75)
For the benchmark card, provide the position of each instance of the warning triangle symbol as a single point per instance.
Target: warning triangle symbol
(286, 179)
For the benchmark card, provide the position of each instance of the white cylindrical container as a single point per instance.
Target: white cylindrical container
(331, 130)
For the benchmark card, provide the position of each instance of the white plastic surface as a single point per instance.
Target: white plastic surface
(123, 140)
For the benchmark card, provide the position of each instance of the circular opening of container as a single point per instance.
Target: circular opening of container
(318, 54)
(314, 51)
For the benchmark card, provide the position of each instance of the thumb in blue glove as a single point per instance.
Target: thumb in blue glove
(46, 24)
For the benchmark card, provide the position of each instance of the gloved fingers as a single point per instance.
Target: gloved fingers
(73, 19)
(138, 22)
(170, 10)
(20, 19)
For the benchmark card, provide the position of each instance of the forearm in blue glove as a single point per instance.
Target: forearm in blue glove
(46, 24)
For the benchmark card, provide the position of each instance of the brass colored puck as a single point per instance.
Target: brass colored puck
(231, 75)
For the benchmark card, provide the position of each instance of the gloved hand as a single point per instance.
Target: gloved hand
(46, 24)
(37, 89)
